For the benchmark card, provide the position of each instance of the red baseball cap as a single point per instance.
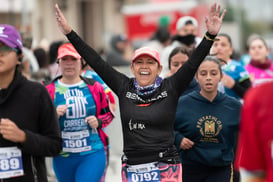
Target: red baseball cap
(68, 50)
(146, 51)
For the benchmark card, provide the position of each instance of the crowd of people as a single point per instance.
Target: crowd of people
(214, 105)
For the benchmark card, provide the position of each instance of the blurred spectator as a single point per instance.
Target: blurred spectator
(120, 52)
(29, 63)
(164, 21)
(102, 52)
(53, 52)
(235, 79)
(260, 67)
(27, 39)
(160, 39)
(44, 44)
(43, 73)
(245, 58)
(187, 29)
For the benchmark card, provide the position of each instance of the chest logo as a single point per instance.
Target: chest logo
(136, 125)
(209, 128)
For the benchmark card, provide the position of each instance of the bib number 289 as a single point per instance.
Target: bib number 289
(10, 162)
(6, 164)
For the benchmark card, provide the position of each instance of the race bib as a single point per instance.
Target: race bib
(76, 142)
(11, 164)
(143, 173)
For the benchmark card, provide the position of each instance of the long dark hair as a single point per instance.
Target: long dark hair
(181, 49)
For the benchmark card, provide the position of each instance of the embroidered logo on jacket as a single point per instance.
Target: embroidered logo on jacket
(209, 127)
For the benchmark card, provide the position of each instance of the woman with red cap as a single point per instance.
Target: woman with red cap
(147, 103)
(83, 112)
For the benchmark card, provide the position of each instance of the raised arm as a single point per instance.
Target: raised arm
(185, 74)
(109, 75)
(62, 22)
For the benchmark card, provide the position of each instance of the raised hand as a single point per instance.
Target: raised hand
(62, 23)
(214, 20)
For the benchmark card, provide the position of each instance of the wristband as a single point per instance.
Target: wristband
(210, 37)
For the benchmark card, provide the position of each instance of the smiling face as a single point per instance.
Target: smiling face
(145, 70)
(208, 76)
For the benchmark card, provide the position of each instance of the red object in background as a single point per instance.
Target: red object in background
(142, 20)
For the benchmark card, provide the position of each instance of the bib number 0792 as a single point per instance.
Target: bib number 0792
(146, 176)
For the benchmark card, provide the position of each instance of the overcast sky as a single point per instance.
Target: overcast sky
(256, 10)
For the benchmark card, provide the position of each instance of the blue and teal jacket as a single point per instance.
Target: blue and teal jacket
(103, 113)
(241, 77)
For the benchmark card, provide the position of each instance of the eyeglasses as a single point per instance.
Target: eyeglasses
(5, 50)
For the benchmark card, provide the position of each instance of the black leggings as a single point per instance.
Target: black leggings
(197, 173)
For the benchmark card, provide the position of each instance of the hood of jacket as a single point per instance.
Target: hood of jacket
(115, 39)
(197, 96)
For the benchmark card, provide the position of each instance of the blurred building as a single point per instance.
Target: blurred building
(95, 20)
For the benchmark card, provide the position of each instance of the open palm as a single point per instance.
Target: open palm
(214, 20)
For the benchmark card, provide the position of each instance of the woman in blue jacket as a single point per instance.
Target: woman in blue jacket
(206, 125)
